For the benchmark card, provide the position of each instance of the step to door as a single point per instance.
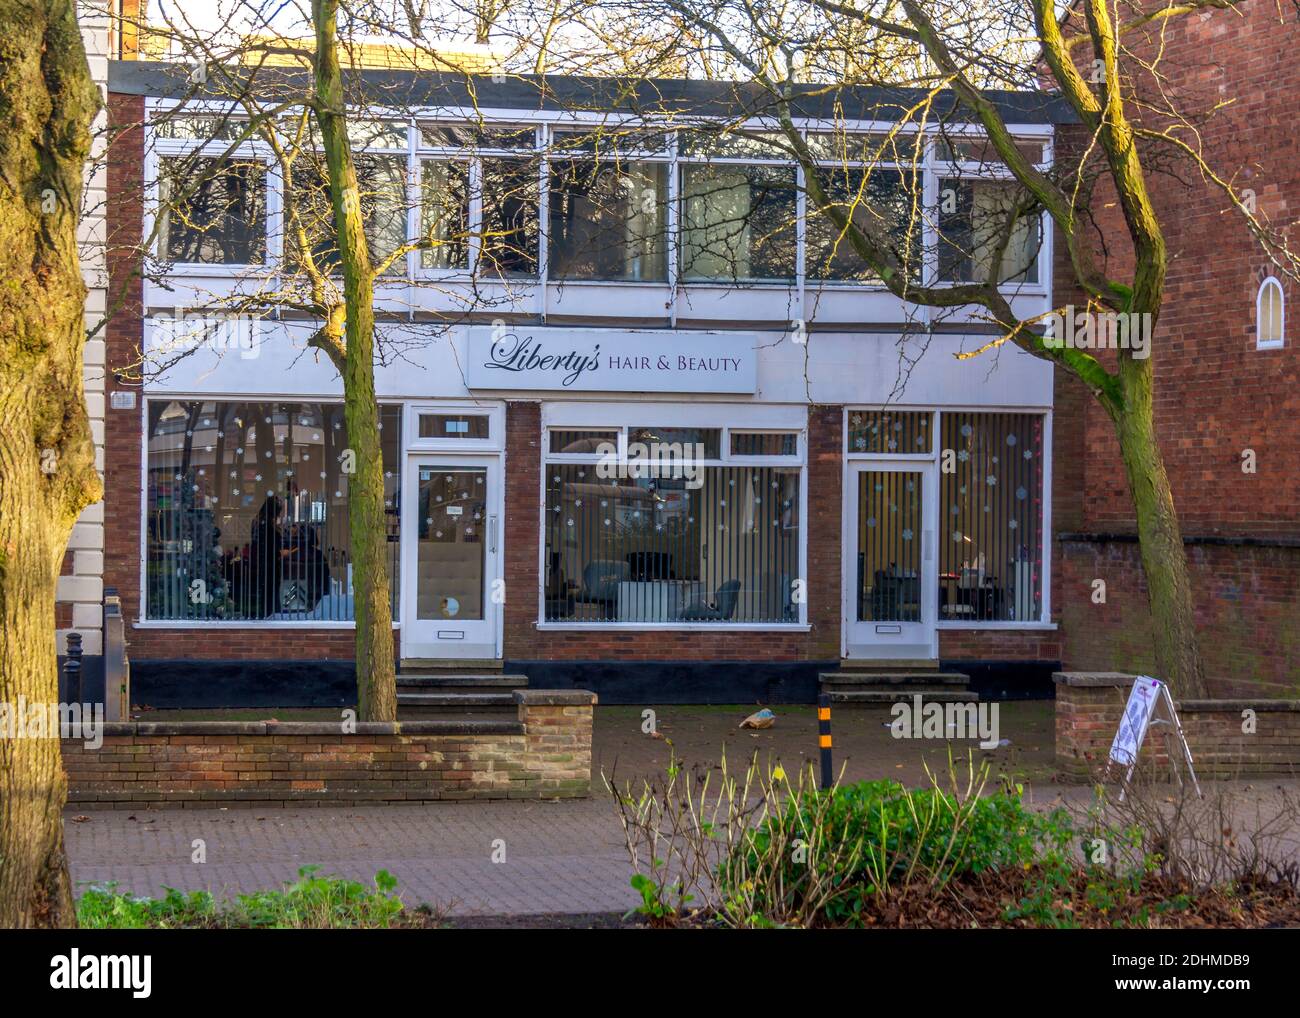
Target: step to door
(460, 681)
(892, 679)
(420, 665)
(874, 697)
(460, 705)
(885, 664)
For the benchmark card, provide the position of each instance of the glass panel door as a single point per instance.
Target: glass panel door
(891, 570)
(452, 557)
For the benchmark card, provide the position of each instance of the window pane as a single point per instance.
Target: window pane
(890, 521)
(749, 443)
(738, 222)
(981, 150)
(846, 147)
(889, 431)
(454, 425)
(609, 140)
(664, 441)
(882, 197)
(734, 145)
(445, 215)
(188, 128)
(468, 137)
(450, 549)
(990, 518)
(382, 181)
(972, 217)
(607, 220)
(219, 221)
(586, 443)
(510, 198)
(246, 511)
(722, 548)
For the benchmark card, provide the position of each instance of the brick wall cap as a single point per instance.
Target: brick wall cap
(555, 697)
(1093, 678)
(330, 728)
(1237, 706)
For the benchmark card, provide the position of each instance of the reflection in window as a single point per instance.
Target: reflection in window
(221, 220)
(973, 216)
(879, 197)
(608, 220)
(990, 518)
(445, 215)
(246, 511)
(382, 182)
(738, 222)
(723, 548)
(510, 196)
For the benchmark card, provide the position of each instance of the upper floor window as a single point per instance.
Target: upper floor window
(973, 225)
(610, 195)
(608, 219)
(213, 211)
(1270, 323)
(739, 207)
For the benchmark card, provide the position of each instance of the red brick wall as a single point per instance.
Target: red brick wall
(1246, 602)
(546, 753)
(1216, 395)
(1087, 717)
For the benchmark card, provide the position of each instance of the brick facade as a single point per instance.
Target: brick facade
(545, 754)
(1216, 394)
(1089, 707)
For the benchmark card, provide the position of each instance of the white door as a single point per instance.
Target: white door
(891, 578)
(451, 537)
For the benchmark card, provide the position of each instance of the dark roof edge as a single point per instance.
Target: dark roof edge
(652, 97)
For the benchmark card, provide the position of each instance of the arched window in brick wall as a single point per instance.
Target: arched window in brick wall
(1270, 322)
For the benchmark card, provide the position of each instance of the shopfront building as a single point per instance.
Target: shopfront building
(677, 447)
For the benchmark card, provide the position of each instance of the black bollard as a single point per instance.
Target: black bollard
(72, 690)
(824, 737)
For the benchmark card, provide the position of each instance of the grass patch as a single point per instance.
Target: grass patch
(310, 902)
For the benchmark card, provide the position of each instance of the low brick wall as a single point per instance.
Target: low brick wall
(544, 754)
(1088, 709)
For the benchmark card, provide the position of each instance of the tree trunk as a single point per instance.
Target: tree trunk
(1164, 558)
(376, 677)
(47, 466)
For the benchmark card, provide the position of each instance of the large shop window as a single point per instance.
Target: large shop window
(991, 517)
(672, 532)
(246, 511)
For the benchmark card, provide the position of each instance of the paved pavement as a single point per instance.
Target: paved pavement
(559, 857)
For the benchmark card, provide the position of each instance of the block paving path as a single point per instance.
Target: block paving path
(559, 857)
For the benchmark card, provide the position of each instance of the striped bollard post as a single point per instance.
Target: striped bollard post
(824, 736)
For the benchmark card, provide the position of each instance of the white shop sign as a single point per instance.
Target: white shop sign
(610, 360)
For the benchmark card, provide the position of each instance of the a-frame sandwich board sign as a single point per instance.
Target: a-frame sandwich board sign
(1149, 706)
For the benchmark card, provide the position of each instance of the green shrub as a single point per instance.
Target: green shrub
(874, 839)
(311, 902)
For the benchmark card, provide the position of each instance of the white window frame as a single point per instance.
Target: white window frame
(1260, 342)
(622, 416)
